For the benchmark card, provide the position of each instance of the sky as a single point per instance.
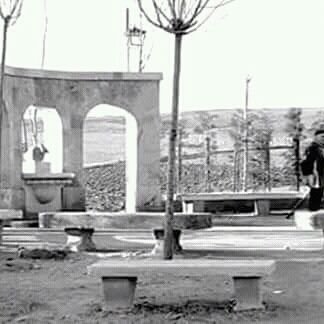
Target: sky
(278, 43)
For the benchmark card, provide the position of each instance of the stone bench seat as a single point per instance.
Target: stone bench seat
(123, 220)
(261, 199)
(119, 277)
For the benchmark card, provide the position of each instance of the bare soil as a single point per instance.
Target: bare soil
(60, 291)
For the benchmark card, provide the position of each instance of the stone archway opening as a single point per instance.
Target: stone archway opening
(42, 134)
(110, 159)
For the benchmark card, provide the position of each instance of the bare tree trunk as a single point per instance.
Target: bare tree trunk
(245, 139)
(179, 182)
(2, 103)
(297, 158)
(207, 164)
(268, 166)
(44, 35)
(235, 169)
(168, 253)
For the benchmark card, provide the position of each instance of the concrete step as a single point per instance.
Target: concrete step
(23, 223)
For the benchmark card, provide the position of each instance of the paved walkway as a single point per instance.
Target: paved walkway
(216, 238)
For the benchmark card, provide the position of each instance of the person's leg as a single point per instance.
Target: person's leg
(315, 198)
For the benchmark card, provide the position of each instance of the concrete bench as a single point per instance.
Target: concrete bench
(119, 277)
(261, 199)
(79, 239)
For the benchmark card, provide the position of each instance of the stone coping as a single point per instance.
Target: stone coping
(234, 268)
(213, 196)
(74, 75)
(48, 178)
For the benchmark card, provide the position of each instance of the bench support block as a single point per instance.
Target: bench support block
(159, 242)
(79, 240)
(248, 293)
(119, 292)
(262, 207)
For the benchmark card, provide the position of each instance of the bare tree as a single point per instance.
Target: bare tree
(178, 17)
(10, 11)
(44, 33)
(206, 124)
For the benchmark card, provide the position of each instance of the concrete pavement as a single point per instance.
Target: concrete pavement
(218, 238)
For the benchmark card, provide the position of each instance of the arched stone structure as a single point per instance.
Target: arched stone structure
(73, 94)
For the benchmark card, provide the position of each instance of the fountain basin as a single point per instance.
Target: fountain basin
(44, 191)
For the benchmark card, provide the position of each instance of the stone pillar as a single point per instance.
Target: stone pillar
(148, 144)
(11, 189)
(73, 196)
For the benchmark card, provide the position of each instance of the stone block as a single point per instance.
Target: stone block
(248, 293)
(118, 292)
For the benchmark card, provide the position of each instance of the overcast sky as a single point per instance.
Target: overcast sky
(279, 43)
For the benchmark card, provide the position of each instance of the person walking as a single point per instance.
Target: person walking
(312, 168)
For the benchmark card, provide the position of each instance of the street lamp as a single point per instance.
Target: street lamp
(245, 135)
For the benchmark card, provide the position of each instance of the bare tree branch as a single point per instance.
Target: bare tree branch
(164, 15)
(208, 16)
(149, 19)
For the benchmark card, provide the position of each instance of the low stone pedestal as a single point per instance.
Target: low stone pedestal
(119, 292)
(79, 239)
(247, 291)
(158, 234)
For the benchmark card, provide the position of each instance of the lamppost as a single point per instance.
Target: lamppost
(245, 135)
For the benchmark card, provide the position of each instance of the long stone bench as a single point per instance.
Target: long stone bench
(122, 220)
(119, 277)
(261, 199)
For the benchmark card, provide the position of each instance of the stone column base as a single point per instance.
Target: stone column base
(248, 293)
(119, 292)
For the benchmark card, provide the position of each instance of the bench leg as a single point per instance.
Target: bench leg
(248, 293)
(159, 245)
(187, 207)
(119, 292)
(80, 243)
(262, 207)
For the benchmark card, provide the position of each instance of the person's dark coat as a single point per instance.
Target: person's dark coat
(314, 152)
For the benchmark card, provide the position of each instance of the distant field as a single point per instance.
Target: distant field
(104, 137)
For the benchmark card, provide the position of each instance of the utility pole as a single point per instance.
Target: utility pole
(245, 135)
(135, 38)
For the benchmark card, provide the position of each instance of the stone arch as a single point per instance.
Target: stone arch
(49, 135)
(73, 94)
(130, 149)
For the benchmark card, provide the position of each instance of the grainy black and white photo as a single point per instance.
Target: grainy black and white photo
(161, 161)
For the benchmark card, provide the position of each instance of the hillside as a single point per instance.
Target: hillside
(104, 143)
(104, 136)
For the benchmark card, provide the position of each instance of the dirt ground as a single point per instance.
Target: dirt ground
(60, 291)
